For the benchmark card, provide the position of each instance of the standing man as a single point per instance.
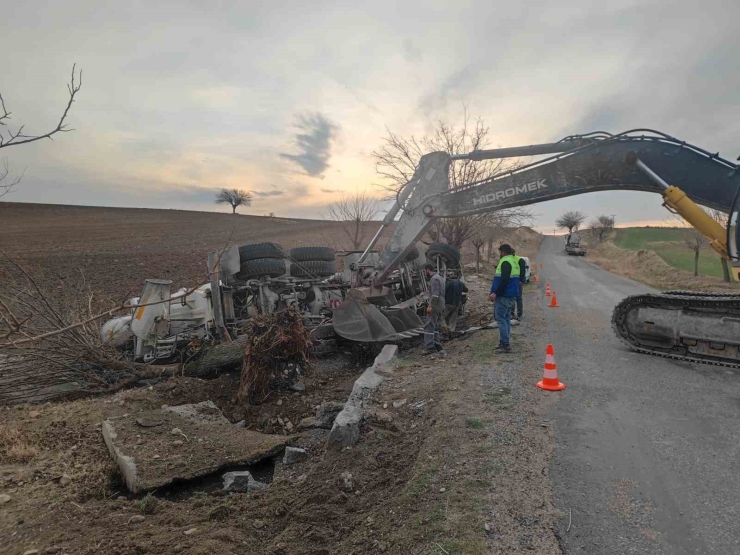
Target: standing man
(522, 265)
(435, 309)
(504, 291)
(454, 288)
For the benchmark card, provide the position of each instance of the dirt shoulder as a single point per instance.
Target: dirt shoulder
(647, 267)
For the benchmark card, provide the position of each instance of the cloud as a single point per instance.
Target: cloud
(314, 141)
(329, 190)
(274, 193)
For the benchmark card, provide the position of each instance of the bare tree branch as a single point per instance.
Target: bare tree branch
(19, 137)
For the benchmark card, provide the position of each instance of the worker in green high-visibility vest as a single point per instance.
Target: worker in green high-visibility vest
(504, 291)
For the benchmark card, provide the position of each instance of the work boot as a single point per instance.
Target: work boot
(440, 350)
(503, 349)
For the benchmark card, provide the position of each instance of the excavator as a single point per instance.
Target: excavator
(380, 295)
(683, 325)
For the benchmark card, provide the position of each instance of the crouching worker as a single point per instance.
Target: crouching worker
(434, 311)
(504, 291)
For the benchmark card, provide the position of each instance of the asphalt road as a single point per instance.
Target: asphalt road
(646, 457)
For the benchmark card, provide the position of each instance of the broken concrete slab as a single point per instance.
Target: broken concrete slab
(151, 456)
(242, 481)
(346, 428)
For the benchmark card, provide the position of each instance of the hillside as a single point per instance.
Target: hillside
(116, 249)
(668, 243)
(653, 256)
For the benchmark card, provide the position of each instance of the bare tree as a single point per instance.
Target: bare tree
(571, 220)
(18, 137)
(695, 242)
(353, 211)
(722, 218)
(478, 241)
(601, 226)
(234, 197)
(398, 157)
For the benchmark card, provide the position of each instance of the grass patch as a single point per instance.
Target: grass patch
(475, 423)
(498, 396)
(455, 547)
(16, 445)
(477, 484)
(484, 351)
(668, 244)
(422, 482)
(148, 505)
(495, 467)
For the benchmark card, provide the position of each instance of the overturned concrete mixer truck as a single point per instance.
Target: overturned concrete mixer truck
(263, 278)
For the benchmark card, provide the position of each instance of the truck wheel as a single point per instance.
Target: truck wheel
(413, 254)
(254, 269)
(304, 254)
(260, 250)
(449, 253)
(313, 268)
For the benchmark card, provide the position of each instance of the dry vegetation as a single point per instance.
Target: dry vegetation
(647, 267)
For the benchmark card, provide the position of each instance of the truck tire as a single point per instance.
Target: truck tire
(305, 254)
(313, 268)
(260, 250)
(413, 254)
(449, 253)
(255, 269)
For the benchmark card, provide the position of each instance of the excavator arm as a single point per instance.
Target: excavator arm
(681, 325)
(641, 160)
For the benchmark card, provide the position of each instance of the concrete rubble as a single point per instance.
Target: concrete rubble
(158, 447)
(242, 481)
(294, 455)
(346, 428)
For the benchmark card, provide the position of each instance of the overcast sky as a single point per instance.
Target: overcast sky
(289, 99)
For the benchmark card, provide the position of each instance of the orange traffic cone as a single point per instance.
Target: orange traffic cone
(534, 278)
(554, 301)
(550, 380)
(548, 293)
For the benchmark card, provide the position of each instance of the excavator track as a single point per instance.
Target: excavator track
(682, 325)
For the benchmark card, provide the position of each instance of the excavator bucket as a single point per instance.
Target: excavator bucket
(405, 321)
(360, 320)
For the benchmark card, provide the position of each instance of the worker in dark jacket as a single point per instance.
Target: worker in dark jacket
(517, 314)
(504, 291)
(454, 289)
